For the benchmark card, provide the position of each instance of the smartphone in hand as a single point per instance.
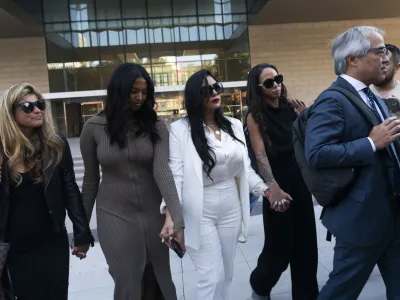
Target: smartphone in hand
(392, 104)
(175, 246)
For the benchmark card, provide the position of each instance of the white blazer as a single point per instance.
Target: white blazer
(187, 169)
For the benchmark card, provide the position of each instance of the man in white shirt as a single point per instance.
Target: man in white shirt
(389, 88)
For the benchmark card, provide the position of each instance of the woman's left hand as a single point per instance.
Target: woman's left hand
(79, 251)
(298, 106)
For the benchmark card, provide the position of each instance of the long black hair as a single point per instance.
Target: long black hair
(195, 103)
(118, 104)
(256, 102)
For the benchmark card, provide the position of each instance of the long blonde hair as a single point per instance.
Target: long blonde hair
(42, 150)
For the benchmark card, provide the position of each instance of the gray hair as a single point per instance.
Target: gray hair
(353, 42)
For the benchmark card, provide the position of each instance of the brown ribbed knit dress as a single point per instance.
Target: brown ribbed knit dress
(128, 199)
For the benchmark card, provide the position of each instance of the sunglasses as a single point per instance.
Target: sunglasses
(269, 83)
(208, 91)
(29, 107)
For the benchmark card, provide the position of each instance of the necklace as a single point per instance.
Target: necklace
(217, 132)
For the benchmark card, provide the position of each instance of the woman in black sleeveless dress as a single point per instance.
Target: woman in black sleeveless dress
(290, 232)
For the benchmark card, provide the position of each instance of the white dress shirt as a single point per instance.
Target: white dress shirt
(228, 161)
(359, 87)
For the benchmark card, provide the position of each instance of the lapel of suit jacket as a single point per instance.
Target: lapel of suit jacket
(192, 155)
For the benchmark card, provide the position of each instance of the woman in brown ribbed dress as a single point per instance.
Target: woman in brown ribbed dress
(130, 144)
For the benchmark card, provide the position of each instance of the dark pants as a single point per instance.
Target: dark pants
(41, 273)
(353, 265)
(290, 238)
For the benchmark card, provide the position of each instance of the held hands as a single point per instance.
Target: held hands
(385, 133)
(79, 251)
(279, 200)
(168, 233)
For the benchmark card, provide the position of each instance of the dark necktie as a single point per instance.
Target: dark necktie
(396, 169)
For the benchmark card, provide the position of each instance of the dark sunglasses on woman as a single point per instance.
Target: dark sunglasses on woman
(29, 107)
(269, 83)
(208, 90)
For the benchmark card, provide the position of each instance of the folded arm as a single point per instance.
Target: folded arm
(324, 135)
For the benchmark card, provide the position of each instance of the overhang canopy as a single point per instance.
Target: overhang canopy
(16, 22)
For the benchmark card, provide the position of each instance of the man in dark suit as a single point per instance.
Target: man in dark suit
(366, 222)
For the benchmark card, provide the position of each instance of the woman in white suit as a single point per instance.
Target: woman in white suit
(209, 160)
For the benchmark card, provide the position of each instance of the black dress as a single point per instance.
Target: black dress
(38, 260)
(290, 237)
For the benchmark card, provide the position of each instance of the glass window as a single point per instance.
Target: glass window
(108, 9)
(207, 7)
(55, 10)
(103, 38)
(168, 35)
(82, 10)
(56, 81)
(164, 74)
(228, 30)
(220, 32)
(202, 33)
(212, 66)
(133, 9)
(135, 31)
(237, 69)
(158, 35)
(105, 74)
(236, 6)
(177, 35)
(194, 33)
(210, 33)
(159, 8)
(184, 31)
(112, 55)
(187, 69)
(184, 7)
(57, 111)
(87, 79)
(138, 54)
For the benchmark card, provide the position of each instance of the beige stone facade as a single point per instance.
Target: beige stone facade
(302, 51)
(23, 60)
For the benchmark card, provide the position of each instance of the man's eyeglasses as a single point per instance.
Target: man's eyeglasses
(29, 107)
(269, 83)
(208, 90)
(381, 51)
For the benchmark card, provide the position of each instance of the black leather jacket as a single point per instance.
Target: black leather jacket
(62, 194)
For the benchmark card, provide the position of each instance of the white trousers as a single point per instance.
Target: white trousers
(220, 227)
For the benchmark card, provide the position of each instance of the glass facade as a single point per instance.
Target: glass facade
(87, 39)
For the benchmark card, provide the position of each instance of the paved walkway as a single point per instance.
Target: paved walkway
(89, 279)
